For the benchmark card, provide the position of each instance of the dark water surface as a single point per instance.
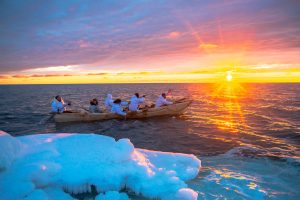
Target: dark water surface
(227, 122)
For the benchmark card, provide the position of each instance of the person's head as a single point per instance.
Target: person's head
(109, 96)
(95, 101)
(117, 101)
(58, 98)
(137, 95)
(164, 95)
(92, 102)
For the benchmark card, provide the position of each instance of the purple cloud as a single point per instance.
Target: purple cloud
(112, 34)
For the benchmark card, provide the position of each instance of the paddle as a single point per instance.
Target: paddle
(84, 108)
(45, 120)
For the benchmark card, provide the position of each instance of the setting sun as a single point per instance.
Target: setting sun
(229, 76)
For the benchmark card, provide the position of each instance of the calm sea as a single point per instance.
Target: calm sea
(247, 135)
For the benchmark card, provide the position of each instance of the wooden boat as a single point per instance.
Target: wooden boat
(177, 108)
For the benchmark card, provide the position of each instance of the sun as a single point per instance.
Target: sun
(229, 76)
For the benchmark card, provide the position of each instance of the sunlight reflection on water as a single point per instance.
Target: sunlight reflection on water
(222, 116)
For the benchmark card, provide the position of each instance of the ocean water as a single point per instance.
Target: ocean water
(247, 135)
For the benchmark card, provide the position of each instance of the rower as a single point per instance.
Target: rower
(162, 100)
(135, 101)
(108, 102)
(58, 105)
(94, 108)
(117, 108)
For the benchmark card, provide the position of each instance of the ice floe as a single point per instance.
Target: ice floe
(47, 166)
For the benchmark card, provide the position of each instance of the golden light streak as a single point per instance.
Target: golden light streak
(226, 97)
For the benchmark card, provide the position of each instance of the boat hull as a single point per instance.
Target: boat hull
(83, 116)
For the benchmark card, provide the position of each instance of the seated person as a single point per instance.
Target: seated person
(108, 102)
(135, 101)
(161, 101)
(58, 105)
(94, 106)
(117, 108)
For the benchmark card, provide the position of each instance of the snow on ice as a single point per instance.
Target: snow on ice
(47, 166)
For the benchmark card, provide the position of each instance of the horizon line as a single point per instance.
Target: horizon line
(116, 83)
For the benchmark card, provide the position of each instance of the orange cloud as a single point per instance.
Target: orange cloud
(97, 74)
(138, 73)
(49, 75)
(4, 77)
(174, 35)
(207, 46)
(20, 76)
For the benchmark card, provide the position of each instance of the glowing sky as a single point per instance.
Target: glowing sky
(149, 41)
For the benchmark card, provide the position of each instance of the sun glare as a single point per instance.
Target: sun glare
(229, 76)
(226, 97)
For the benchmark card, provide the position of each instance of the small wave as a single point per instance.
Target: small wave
(274, 153)
(234, 175)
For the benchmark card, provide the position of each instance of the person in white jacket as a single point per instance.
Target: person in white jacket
(108, 102)
(58, 105)
(161, 101)
(117, 108)
(94, 108)
(135, 101)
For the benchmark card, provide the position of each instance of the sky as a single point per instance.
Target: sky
(112, 41)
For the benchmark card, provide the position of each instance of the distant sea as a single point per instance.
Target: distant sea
(247, 135)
